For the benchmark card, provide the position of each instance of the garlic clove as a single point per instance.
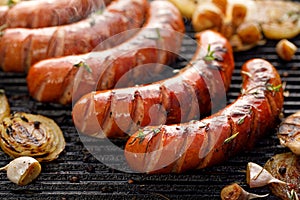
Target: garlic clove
(286, 49)
(236, 192)
(257, 176)
(23, 170)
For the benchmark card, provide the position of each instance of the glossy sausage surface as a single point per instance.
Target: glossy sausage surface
(120, 112)
(20, 47)
(58, 80)
(38, 14)
(199, 144)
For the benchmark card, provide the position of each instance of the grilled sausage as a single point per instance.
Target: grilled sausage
(120, 112)
(203, 143)
(54, 80)
(20, 47)
(37, 14)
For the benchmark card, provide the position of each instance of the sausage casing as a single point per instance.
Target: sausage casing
(58, 80)
(186, 96)
(198, 144)
(21, 47)
(38, 14)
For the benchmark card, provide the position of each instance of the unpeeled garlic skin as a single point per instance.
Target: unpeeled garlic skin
(23, 170)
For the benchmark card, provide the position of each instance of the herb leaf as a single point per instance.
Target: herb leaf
(12, 2)
(273, 88)
(227, 140)
(152, 37)
(143, 133)
(84, 65)
(210, 54)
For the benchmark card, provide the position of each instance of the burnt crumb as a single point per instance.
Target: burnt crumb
(36, 124)
(282, 170)
(74, 179)
(23, 118)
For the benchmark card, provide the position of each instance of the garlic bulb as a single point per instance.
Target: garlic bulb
(22, 170)
(36, 136)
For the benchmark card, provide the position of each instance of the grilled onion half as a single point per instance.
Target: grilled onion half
(285, 167)
(23, 134)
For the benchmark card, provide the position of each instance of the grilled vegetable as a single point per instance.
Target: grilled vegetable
(4, 106)
(22, 170)
(286, 167)
(273, 19)
(186, 7)
(37, 136)
(236, 192)
(286, 49)
(289, 133)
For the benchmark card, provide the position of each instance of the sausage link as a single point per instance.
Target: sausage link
(20, 47)
(54, 80)
(199, 144)
(38, 14)
(120, 112)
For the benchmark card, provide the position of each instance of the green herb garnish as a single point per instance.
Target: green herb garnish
(227, 140)
(84, 65)
(292, 195)
(157, 37)
(12, 2)
(210, 54)
(273, 88)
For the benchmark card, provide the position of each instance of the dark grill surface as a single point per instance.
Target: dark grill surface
(77, 174)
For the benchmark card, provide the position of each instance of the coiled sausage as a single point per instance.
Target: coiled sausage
(38, 14)
(120, 112)
(20, 47)
(57, 80)
(198, 144)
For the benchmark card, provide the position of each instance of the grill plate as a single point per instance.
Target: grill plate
(77, 174)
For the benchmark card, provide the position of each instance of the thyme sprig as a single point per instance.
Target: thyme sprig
(156, 37)
(210, 54)
(229, 139)
(11, 3)
(273, 88)
(143, 133)
(84, 65)
(292, 195)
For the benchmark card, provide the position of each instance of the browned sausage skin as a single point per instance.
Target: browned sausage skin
(20, 47)
(54, 80)
(38, 14)
(200, 144)
(120, 112)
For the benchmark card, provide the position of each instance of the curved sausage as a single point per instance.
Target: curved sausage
(198, 144)
(20, 47)
(120, 112)
(54, 80)
(38, 14)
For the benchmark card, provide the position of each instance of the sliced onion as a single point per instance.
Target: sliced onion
(37, 136)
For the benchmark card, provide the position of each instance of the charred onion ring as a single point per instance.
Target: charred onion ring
(37, 136)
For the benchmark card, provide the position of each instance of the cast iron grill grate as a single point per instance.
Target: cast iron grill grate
(77, 174)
